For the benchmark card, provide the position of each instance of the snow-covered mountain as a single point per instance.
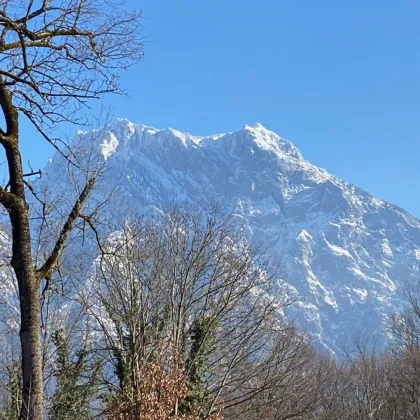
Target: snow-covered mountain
(344, 252)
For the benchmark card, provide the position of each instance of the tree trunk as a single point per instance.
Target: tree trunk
(28, 283)
(14, 201)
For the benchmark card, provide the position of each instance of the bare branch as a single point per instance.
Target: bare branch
(52, 261)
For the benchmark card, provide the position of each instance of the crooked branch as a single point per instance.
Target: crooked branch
(52, 260)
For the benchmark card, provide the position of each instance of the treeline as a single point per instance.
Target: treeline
(181, 318)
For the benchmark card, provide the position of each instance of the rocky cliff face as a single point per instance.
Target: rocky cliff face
(344, 252)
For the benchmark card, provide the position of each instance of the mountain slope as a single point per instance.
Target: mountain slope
(344, 252)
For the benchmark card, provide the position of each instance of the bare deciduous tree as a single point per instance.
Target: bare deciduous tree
(54, 56)
(191, 285)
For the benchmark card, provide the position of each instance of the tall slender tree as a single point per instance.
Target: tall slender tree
(55, 55)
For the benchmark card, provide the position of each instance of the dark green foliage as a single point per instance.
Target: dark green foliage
(133, 346)
(197, 365)
(122, 363)
(77, 378)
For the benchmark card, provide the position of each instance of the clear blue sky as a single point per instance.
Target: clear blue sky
(340, 79)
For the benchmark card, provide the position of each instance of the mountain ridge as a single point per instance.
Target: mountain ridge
(342, 250)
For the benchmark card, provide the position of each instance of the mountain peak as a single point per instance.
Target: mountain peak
(270, 141)
(256, 125)
(338, 246)
(258, 128)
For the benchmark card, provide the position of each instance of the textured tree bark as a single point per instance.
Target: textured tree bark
(28, 283)
(15, 203)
